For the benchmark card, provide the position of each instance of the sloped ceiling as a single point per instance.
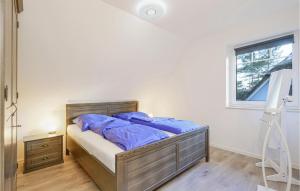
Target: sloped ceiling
(193, 18)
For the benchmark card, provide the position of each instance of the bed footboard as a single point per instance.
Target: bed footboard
(149, 167)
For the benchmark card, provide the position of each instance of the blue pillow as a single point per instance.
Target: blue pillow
(88, 121)
(129, 115)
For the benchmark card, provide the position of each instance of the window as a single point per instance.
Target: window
(253, 64)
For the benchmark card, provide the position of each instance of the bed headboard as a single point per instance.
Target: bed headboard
(106, 108)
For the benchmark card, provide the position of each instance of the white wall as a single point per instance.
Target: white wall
(203, 76)
(75, 50)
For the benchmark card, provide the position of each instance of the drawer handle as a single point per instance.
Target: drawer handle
(44, 145)
(45, 158)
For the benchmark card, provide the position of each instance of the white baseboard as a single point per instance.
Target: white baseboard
(253, 155)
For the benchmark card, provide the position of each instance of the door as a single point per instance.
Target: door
(9, 122)
(8, 141)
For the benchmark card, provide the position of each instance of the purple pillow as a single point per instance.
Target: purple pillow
(94, 121)
(130, 115)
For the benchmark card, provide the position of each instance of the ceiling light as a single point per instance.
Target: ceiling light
(151, 9)
(151, 12)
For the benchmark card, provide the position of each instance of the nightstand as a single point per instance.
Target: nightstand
(42, 151)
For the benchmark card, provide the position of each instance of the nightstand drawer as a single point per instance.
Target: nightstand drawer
(43, 144)
(48, 149)
(43, 159)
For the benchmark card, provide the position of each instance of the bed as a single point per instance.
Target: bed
(144, 168)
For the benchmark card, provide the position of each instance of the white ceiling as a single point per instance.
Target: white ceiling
(191, 18)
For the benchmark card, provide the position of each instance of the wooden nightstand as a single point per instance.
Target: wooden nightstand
(42, 151)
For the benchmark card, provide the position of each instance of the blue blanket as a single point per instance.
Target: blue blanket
(166, 124)
(125, 134)
(130, 136)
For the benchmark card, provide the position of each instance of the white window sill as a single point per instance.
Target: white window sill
(259, 108)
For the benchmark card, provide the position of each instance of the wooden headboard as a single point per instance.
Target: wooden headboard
(106, 108)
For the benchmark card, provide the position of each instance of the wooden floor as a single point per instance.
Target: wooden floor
(225, 172)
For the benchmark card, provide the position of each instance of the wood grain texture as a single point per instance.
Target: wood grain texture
(148, 170)
(109, 108)
(144, 168)
(190, 150)
(226, 171)
(42, 153)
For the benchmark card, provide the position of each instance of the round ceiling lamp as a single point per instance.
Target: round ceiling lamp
(151, 9)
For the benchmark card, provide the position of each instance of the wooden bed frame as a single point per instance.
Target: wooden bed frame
(144, 168)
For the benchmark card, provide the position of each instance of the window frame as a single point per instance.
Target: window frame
(231, 75)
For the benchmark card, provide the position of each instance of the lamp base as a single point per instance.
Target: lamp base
(52, 132)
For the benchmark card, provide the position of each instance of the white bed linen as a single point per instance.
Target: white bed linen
(96, 145)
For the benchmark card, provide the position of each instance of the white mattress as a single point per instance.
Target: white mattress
(97, 146)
